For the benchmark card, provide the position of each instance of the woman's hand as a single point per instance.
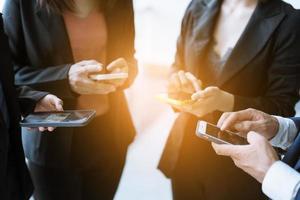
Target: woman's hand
(183, 84)
(47, 104)
(81, 83)
(209, 100)
(118, 66)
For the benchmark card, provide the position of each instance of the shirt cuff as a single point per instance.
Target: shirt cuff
(281, 182)
(286, 134)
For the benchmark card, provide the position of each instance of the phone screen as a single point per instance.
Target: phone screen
(214, 132)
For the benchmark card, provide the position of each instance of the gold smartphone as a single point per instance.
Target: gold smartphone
(175, 102)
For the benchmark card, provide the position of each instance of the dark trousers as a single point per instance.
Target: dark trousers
(13, 190)
(68, 184)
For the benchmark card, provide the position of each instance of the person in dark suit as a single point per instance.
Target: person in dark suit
(280, 179)
(56, 45)
(231, 55)
(15, 182)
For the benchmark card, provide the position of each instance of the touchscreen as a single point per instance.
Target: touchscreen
(225, 135)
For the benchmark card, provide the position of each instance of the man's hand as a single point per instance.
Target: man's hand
(250, 120)
(255, 158)
(47, 104)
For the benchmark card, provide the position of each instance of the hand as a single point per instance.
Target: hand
(255, 158)
(250, 120)
(209, 100)
(118, 66)
(182, 85)
(47, 104)
(81, 83)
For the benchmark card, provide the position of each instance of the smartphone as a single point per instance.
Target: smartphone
(70, 118)
(212, 133)
(175, 102)
(107, 77)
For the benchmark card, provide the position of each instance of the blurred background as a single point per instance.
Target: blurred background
(157, 28)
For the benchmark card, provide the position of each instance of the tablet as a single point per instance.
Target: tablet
(69, 118)
(107, 77)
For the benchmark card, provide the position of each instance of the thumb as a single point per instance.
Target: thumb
(254, 138)
(118, 63)
(58, 103)
(90, 69)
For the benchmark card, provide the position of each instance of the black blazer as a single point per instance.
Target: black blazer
(262, 72)
(12, 136)
(42, 57)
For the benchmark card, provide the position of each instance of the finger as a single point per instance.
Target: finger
(88, 62)
(51, 129)
(223, 118)
(184, 82)
(41, 129)
(57, 103)
(236, 117)
(92, 69)
(119, 63)
(225, 149)
(117, 70)
(174, 83)
(246, 126)
(196, 83)
(207, 92)
(255, 138)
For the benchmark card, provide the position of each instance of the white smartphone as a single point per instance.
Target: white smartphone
(106, 77)
(212, 133)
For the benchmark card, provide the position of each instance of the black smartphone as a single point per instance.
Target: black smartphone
(69, 118)
(214, 134)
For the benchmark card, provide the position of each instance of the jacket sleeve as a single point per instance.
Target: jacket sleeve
(28, 98)
(298, 195)
(54, 78)
(281, 92)
(297, 122)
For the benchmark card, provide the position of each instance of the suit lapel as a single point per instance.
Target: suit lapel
(59, 39)
(203, 29)
(292, 156)
(264, 21)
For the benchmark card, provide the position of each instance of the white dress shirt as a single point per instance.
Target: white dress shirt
(286, 134)
(281, 181)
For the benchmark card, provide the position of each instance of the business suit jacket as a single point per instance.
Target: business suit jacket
(42, 57)
(262, 72)
(10, 138)
(292, 156)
